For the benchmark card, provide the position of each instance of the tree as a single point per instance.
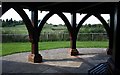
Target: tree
(89, 25)
(20, 22)
(11, 22)
(4, 23)
(60, 25)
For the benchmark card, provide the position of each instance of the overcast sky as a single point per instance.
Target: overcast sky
(54, 19)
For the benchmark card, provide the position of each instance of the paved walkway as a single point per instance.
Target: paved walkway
(55, 61)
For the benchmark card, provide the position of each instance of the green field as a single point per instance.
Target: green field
(21, 29)
(11, 48)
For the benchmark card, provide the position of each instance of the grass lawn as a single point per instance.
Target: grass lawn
(17, 47)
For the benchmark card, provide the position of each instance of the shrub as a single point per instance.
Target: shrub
(14, 38)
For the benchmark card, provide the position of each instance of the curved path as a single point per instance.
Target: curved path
(55, 61)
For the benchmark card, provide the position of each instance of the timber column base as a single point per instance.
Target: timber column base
(35, 58)
(74, 52)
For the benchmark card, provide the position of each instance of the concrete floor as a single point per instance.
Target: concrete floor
(55, 61)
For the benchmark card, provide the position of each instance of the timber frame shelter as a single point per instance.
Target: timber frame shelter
(93, 8)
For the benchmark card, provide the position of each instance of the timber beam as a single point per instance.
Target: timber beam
(81, 22)
(25, 18)
(105, 24)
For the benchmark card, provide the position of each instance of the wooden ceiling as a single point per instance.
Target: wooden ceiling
(78, 7)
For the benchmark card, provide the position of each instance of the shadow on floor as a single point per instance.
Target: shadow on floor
(13, 67)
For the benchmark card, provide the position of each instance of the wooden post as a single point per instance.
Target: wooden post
(116, 42)
(34, 56)
(73, 36)
(110, 48)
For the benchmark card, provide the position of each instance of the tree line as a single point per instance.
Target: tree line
(11, 23)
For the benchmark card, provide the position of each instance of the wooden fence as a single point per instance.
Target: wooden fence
(55, 37)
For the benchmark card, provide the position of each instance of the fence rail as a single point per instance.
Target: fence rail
(55, 37)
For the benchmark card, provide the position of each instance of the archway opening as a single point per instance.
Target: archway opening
(94, 35)
(54, 34)
(15, 37)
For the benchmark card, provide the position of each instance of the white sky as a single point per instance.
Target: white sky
(54, 19)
